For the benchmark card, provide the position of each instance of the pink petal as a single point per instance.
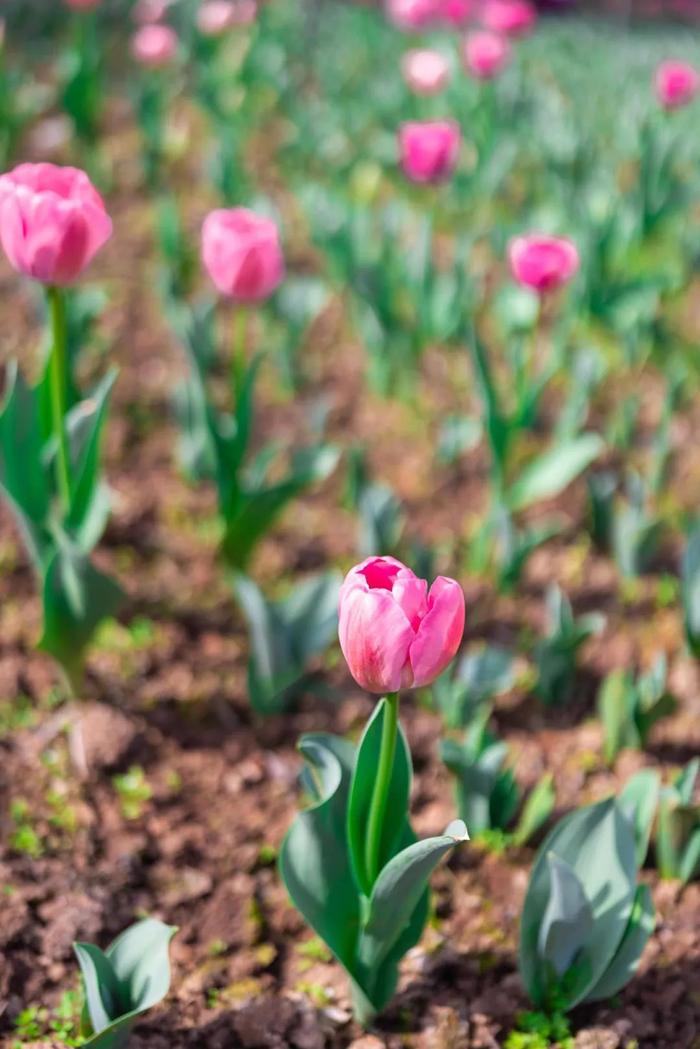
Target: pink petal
(375, 637)
(440, 632)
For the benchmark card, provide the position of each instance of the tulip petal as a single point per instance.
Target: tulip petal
(375, 637)
(440, 632)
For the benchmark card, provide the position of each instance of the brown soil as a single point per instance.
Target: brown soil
(200, 852)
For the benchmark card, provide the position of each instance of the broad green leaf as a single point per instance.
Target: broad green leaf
(76, 598)
(103, 999)
(553, 471)
(314, 862)
(141, 963)
(638, 802)
(85, 424)
(360, 799)
(567, 921)
(690, 590)
(537, 809)
(616, 707)
(625, 963)
(397, 891)
(598, 844)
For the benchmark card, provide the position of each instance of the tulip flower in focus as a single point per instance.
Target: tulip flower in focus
(677, 84)
(411, 15)
(543, 263)
(394, 632)
(512, 17)
(426, 72)
(486, 54)
(52, 221)
(429, 150)
(154, 46)
(214, 17)
(241, 252)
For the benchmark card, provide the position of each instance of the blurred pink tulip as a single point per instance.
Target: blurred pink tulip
(512, 17)
(677, 84)
(148, 11)
(394, 632)
(245, 12)
(241, 252)
(426, 72)
(455, 13)
(543, 263)
(214, 17)
(154, 46)
(486, 54)
(429, 150)
(52, 221)
(411, 15)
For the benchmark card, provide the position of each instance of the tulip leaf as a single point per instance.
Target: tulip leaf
(554, 470)
(397, 892)
(597, 843)
(567, 920)
(690, 590)
(626, 960)
(314, 862)
(537, 809)
(76, 598)
(638, 802)
(131, 976)
(396, 831)
(88, 508)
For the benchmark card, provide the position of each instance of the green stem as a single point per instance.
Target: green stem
(239, 348)
(380, 796)
(57, 384)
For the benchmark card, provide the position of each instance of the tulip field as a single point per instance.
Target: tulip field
(349, 525)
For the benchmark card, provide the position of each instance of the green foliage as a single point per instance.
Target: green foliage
(629, 707)
(677, 840)
(131, 976)
(286, 636)
(690, 590)
(133, 791)
(540, 1031)
(218, 444)
(638, 802)
(555, 654)
(585, 920)
(368, 923)
(472, 681)
(486, 791)
(76, 596)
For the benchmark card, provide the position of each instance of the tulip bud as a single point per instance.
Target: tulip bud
(52, 221)
(426, 72)
(214, 17)
(512, 17)
(543, 263)
(411, 15)
(486, 54)
(154, 46)
(677, 84)
(429, 150)
(241, 253)
(394, 632)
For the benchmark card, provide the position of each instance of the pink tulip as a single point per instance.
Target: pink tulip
(411, 15)
(394, 632)
(245, 12)
(429, 150)
(512, 17)
(241, 253)
(214, 17)
(426, 72)
(147, 11)
(83, 5)
(677, 83)
(543, 263)
(154, 46)
(455, 13)
(52, 221)
(486, 54)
